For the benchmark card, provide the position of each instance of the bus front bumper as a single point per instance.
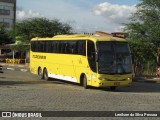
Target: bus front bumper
(109, 83)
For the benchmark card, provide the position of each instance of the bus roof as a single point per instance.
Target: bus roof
(81, 37)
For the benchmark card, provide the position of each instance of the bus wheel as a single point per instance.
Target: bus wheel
(85, 82)
(45, 74)
(40, 74)
(113, 88)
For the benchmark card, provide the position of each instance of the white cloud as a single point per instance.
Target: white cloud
(101, 17)
(21, 14)
(113, 13)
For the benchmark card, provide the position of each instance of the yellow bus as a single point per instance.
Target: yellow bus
(86, 59)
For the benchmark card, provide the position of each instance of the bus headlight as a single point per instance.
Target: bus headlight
(129, 78)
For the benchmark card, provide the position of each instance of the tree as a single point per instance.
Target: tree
(145, 23)
(27, 29)
(144, 55)
(4, 35)
(40, 27)
(144, 31)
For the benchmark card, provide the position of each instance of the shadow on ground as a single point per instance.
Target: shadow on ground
(136, 87)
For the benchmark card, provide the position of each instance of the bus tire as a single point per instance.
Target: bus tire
(113, 88)
(40, 73)
(85, 82)
(45, 74)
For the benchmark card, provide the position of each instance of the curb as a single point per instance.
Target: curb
(154, 80)
(15, 68)
(147, 81)
(10, 68)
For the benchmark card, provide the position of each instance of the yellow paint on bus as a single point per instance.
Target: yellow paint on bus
(77, 58)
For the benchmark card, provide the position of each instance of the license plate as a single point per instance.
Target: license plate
(116, 83)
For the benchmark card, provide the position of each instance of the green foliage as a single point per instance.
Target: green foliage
(21, 47)
(40, 27)
(145, 25)
(144, 32)
(4, 36)
(27, 29)
(143, 52)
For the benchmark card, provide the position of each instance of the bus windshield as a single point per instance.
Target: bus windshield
(114, 58)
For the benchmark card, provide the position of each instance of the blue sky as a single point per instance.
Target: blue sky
(83, 15)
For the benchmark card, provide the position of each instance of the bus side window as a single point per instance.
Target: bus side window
(38, 46)
(72, 47)
(63, 47)
(33, 46)
(42, 46)
(82, 48)
(90, 49)
(48, 47)
(59, 47)
(67, 48)
(56, 49)
(52, 47)
(91, 55)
